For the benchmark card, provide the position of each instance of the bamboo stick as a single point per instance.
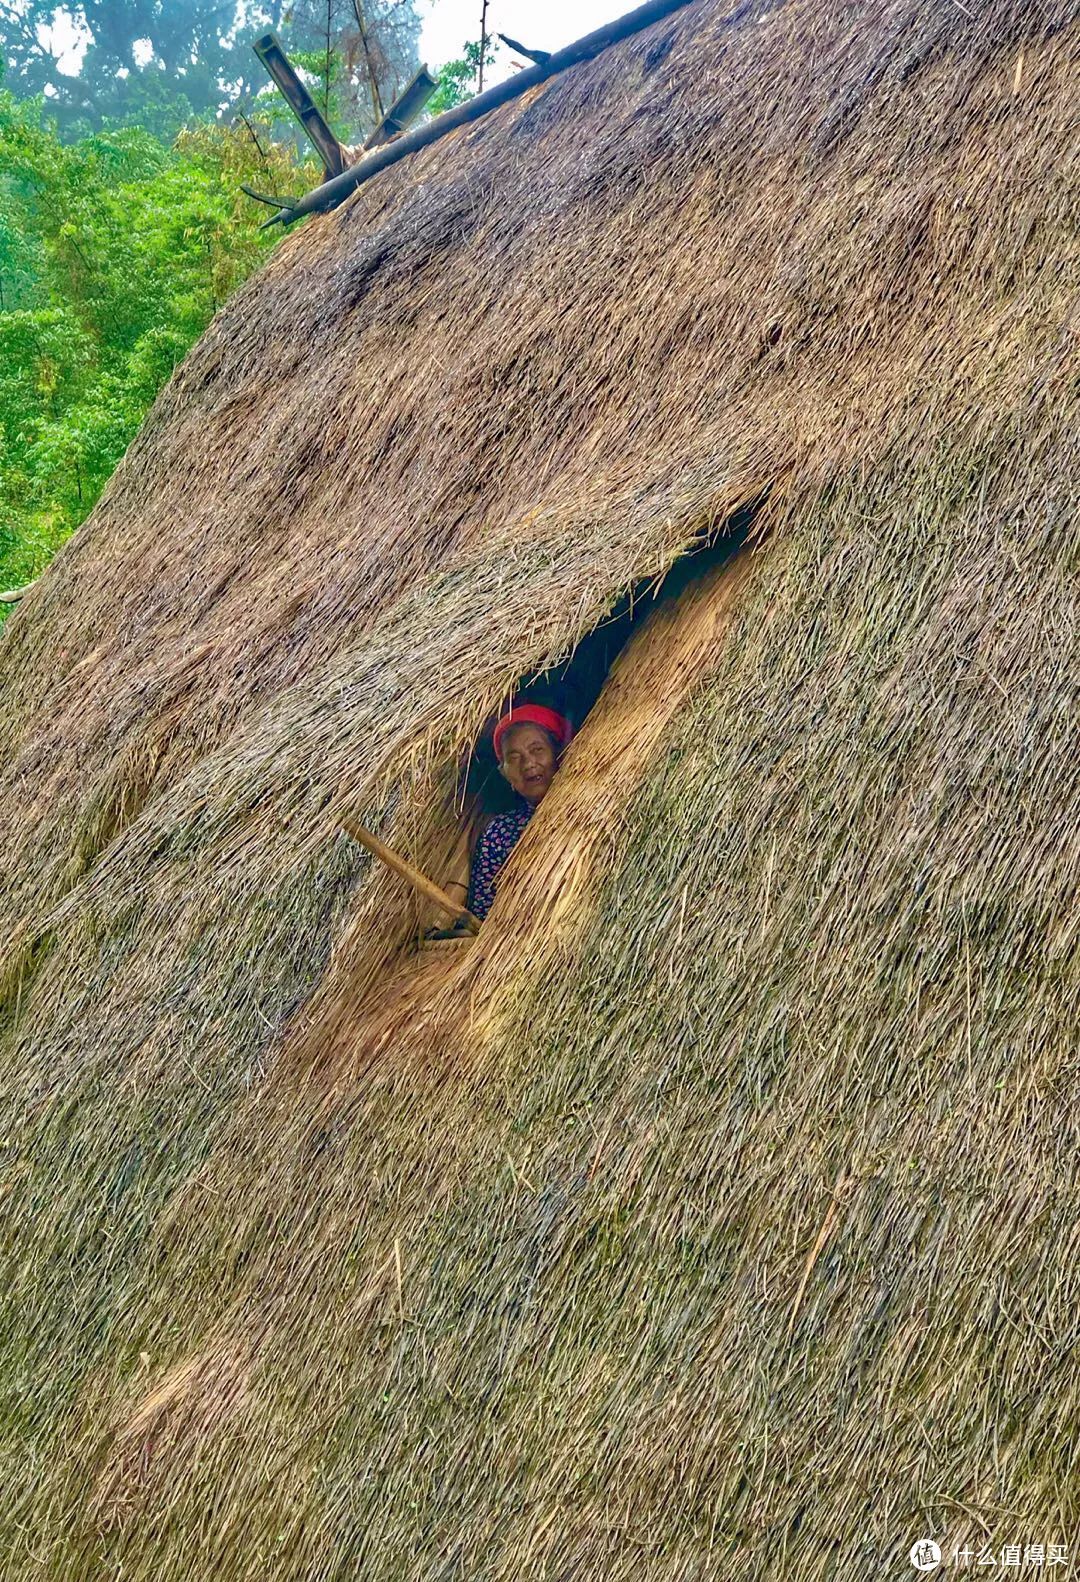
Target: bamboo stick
(405, 870)
(338, 188)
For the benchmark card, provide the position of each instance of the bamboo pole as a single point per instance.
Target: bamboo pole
(405, 870)
(335, 191)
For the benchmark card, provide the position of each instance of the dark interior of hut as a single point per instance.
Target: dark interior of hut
(573, 687)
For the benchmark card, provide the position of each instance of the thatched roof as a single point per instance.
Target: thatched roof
(714, 1213)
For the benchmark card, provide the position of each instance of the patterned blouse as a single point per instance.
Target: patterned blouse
(492, 850)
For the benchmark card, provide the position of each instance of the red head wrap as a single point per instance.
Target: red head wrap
(533, 714)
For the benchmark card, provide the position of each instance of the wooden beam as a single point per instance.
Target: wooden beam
(405, 870)
(268, 48)
(335, 191)
(405, 108)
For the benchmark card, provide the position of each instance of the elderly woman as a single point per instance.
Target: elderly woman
(528, 742)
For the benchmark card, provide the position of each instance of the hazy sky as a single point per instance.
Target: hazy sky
(544, 23)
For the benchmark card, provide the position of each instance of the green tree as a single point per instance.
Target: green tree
(161, 63)
(115, 252)
(154, 62)
(370, 47)
(458, 78)
(119, 241)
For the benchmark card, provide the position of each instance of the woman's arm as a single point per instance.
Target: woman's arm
(488, 858)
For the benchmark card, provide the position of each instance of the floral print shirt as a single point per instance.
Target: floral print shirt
(492, 850)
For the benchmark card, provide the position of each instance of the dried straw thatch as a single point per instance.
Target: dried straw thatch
(714, 1213)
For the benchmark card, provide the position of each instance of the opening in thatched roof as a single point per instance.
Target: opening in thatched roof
(574, 684)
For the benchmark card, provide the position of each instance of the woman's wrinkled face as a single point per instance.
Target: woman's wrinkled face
(528, 760)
